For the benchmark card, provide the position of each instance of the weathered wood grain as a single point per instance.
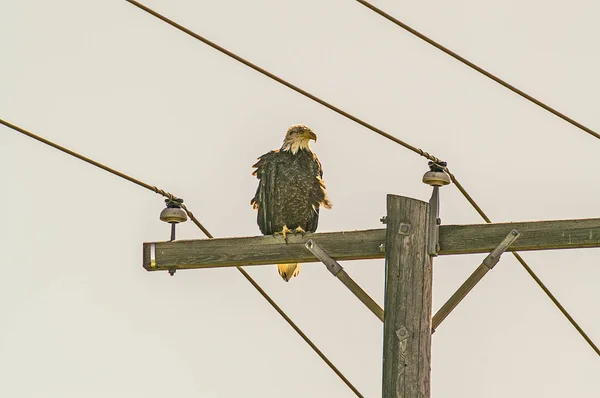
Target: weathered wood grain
(367, 244)
(258, 250)
(407, 317)
(535, 235)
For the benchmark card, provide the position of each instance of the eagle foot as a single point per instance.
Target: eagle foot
(300, 231)
(284, 232)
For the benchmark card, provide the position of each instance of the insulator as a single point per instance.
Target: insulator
(173, 215)
(436, 178)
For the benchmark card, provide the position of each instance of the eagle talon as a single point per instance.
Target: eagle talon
(300, 231)
(284, 232)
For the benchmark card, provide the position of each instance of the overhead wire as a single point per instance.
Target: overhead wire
(478, 68)
(204, 230)
(303, 92)
(103, 167)
(406, 145)
(524, 95)
(281, 81)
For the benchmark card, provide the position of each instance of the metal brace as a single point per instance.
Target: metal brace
(493, 258)
(433, 243)
(487, 264)
(333, 266)
(336, 269)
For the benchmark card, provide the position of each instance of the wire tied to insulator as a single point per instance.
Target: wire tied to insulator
(173, 202)
(437, 166)
(168, 195)
(429, 156)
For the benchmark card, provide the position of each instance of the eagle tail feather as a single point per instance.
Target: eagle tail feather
(287, 271)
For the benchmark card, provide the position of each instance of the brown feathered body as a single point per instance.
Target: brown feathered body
(291, 189)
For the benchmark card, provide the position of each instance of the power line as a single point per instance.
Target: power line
(421, 152)
(556, 302)
(478, 68)
(204, 230)
(524, 95)
(306, 94)
(282, 81)
(304, 337)
(103, 167)
(538, 280)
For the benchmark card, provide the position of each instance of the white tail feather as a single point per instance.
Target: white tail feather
(287, 271)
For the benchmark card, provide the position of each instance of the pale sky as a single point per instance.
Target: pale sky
(80, 317)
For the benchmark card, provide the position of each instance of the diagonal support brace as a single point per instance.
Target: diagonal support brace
(336, 269)
(488, 263)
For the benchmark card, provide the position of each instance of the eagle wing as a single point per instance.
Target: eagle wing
(318, 194)
(266, 169)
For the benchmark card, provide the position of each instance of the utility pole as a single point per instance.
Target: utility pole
(407, 319)
(413, 235)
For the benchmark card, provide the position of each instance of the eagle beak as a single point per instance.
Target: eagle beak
(312, 136)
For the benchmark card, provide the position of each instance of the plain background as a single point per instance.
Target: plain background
(80, 317)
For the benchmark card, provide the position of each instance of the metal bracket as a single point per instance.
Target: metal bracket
(433, 241)
(153, 255)
(493, 258)
(404, 229)
(333, 266)
(487, 264)
(336, 269)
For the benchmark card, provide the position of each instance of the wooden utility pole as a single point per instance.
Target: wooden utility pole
(407, 319)
(407, 245)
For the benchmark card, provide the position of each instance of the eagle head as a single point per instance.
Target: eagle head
(297, 137)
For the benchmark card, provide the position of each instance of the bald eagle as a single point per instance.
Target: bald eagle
(290, 190)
